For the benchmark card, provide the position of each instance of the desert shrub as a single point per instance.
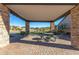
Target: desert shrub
(22, 33)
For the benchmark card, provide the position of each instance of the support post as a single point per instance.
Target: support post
(4, 25)
(27, 27)
(52, 26)
(75, 27)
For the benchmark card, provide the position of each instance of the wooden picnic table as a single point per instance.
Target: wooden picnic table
(45, 34)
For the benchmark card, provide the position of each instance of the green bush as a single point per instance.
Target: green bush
(22, 33)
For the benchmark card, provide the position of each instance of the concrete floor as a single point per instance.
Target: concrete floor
(26, 46)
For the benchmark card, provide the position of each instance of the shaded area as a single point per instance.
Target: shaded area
(36, 38)
(15, 37)
(63, 46)
(64, 37)
(18, 37)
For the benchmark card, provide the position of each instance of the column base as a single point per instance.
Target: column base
(3, 44)
(75, 43)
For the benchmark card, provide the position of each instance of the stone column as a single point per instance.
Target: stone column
(27, 27)
(4, 26)
(75, 27)
(52, 26)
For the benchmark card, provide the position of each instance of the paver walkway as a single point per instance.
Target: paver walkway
(26, 46)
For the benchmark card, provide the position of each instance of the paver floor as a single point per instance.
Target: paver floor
(26, 46)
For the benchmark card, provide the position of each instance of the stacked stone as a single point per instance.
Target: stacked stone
(27, 27)
(4, 36)
(4, 26)
(75, 27)
(52, 26)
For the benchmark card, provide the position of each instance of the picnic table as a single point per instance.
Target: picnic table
(47, 35)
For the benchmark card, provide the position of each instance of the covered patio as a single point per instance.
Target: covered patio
(43, 13)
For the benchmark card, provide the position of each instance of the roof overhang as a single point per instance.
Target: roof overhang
(40, 12)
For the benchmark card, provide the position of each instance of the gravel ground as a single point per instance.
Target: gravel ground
(26, 46)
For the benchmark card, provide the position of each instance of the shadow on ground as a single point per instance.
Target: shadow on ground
(63, 46)
(17, 38)
(64, 37)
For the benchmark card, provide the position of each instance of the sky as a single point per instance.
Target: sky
(16, 21)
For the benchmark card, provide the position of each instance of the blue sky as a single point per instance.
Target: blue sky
(16, 21)
(39, 24)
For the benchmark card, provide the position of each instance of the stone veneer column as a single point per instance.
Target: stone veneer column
(4, 26)
(75, 27)
(27, 27)
(52, 26)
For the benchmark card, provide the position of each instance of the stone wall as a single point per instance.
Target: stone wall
(4, 26)
(52, 26)
(27, 26)
(75, 27)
